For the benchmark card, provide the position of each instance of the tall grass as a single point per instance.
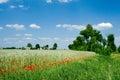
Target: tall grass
(57, 65)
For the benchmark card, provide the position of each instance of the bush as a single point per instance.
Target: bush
(98, 48)
(107, 51)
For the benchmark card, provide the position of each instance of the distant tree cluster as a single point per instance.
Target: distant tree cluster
(46, 47)
(92, 40)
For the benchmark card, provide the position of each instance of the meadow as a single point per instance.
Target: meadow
(57, 65)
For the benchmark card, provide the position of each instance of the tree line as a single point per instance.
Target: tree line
(92, 40)
(37, 46)
(46, 47)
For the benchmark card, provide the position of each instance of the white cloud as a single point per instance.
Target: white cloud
(64, 1)
(56, 38)
(28, 38)
(71, 27)
(28, 34)
(49, 1)
(3, 1)
(18, 35)
(12, 7)
(35, 26)
(102, 26)
(16, 26)
(18, 7)
(1, 28)
(21, 6)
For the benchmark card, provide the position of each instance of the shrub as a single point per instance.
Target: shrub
(107, 51)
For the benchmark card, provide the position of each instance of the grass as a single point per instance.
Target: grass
(57, 65)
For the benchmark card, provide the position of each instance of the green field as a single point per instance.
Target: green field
(57, 65)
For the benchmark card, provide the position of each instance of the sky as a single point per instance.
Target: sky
(55, 21)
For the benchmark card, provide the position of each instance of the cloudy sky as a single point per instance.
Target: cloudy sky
(50, 21)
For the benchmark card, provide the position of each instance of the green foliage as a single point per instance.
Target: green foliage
(107, 51)
(111, 43)
(104, 42)
(119, 49)
(29, 45)
(46, 47)
(97, 48)
(54, 46)
(92, 40)
(37, 46)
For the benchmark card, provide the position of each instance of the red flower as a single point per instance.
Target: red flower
(3, 71)
(32, 67)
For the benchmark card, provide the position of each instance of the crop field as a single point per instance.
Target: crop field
(57, 65)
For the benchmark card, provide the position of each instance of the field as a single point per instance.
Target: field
(57, 65)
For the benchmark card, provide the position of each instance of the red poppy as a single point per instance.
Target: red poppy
(3, 71)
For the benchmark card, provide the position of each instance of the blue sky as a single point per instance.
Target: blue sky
(50, 21)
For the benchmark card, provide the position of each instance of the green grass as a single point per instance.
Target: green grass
(93, 68)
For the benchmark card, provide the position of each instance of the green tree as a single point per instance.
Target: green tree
(46, 47)
(71, 46)
(111, 43)
(29, 45)
(37, 46)
(88, 32)
(92, 40)
(55, 46)
(119, 49)
(104, 42)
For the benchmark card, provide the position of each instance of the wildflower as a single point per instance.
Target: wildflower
(53, 63)
(32, 67)
(3, 71)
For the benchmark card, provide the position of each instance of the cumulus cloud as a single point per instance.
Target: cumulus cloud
(28, 38)
(102, 26)
(49, 1)
(64, 1)
(21, 6)
(17, 34)
(12, 7)
(18, 7)
(1, 28)
(3, 1)
(28, 34)
(71, 27)
(16, 26)
(35, 26)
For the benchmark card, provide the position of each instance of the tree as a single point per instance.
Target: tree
(88, 32)
(54, 46)
(111, 43)
(92, 40)
(119, 49)
(46, 47)
(104, 42)
(37, 46)
(29, 45)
